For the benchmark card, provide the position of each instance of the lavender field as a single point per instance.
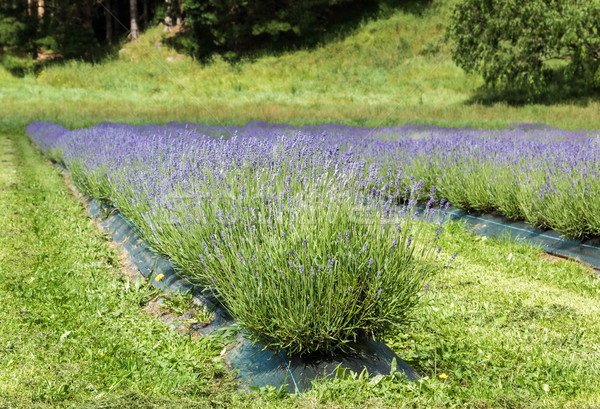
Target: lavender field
(546, 176)
(315, 223)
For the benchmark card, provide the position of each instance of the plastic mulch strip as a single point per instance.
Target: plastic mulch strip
(494, 225)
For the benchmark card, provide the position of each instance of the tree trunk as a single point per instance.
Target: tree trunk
(32, 8)
(86, 14)
(50, 9)
(133, 14)
(179, 12)
(87, 23)
(146, 13)
(168, 19)
(33, 12)
(108, 19)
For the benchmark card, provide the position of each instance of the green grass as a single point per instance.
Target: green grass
(502, 323)
(389, 71)
(506, 327)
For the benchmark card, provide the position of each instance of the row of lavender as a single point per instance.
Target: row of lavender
(546, 176)
(299, 233)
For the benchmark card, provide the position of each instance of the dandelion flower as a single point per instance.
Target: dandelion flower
(443, 376)
(159, 277)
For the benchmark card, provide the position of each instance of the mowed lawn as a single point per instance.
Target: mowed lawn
(504, 326)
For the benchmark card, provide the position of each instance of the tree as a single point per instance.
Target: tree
(133, 18)
(31, 31)
(512, 42)
(18, 28)
(237, 27)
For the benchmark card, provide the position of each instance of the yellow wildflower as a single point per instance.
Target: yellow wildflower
(159, 277)
(443, 376)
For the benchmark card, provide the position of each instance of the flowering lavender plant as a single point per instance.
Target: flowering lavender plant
(299, 236)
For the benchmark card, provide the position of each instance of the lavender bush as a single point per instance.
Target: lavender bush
(299, 236)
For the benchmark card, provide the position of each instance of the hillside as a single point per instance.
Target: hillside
(388, 71)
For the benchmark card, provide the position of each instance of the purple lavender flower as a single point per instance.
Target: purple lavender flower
(394, 244)
(370, 262)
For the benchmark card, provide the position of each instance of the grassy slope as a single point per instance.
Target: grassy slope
(388, 71)
(509, 328)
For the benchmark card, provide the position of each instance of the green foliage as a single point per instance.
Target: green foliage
(366, 78)
(18, 66)
(69, 31)
(238, 27)
(17, 39)
(511, 43)
(10, 31)
(178, 303)
(17, 30)
(48, 44)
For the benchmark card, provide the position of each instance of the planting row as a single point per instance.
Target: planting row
(308, 240)
(546, 176)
